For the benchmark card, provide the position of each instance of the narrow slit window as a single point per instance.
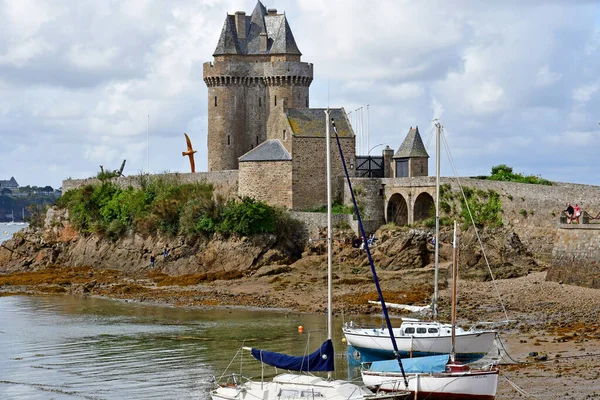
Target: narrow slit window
(284, 135)
(275, 99)
(260, 102)
(306, 99)
(228, 140)
(215, 101)
(257, 140)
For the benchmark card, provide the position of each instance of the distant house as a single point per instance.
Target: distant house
(9, 184)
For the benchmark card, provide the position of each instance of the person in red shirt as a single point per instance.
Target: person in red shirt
(577, 212)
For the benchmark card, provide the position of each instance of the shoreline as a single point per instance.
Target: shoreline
(558, 322)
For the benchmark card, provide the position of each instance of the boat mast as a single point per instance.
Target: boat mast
(454, 284)
(329, 228)
(434, 301)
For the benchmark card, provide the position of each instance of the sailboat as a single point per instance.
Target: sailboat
(436, 377)
(294, 385)
(418, 338)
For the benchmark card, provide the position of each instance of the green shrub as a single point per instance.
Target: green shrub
(246, 218)
(505, 173)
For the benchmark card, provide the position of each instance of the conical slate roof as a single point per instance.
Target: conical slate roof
(280, 39)
(228, 41)
(412, 145)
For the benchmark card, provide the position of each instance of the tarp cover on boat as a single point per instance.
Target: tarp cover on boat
(320, 360)
(413, 365)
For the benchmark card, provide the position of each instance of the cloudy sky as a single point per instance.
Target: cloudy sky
(513, 82)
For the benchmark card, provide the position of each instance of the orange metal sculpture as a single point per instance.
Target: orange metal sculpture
(190, 152)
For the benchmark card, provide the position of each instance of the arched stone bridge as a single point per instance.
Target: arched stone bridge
(407, 201)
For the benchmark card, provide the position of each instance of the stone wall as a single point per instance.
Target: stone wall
(418, 166)
(243, 93)
(225, 182)
(369, 195)
(310, 170)
(316, 223)
(268, 181)
(576, 256)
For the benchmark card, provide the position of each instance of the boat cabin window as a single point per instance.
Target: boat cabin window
(409, 330)
(292, 394)
(432, 330)
(311, 393)
(421, 330)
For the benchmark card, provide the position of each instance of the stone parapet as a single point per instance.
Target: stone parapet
(225, 182)
(576, 256)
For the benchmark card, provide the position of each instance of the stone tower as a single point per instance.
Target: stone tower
(411, 159)
(256, 74)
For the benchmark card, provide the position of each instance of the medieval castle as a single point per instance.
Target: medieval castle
(260, 123)
(266, 143)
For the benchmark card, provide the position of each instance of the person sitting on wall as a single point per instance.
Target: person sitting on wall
(356, 243)
(576, 213)
(569, 212)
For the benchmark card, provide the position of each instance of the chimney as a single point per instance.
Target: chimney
(388, 171)
(240, 24)
(272, 11)
(263, 42)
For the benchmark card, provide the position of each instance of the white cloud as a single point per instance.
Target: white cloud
(546, 77)
(80, 78)
(584, 93)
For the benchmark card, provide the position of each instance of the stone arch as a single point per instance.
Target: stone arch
(423, 205)
(397, 210)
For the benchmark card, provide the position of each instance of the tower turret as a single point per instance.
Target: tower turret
(256, 70)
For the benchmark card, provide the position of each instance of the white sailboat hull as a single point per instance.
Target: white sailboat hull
(293, 386)
(375, 344)
(471, 385)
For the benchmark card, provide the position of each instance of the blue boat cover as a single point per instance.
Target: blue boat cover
(413, 365)
(320, 360)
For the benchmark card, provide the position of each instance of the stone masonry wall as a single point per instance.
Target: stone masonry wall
(268, 181)
(309, 170)
(532, 211)
(241, 99)
(576, 256)
(225, 182)
(315, 223)
(369, 196)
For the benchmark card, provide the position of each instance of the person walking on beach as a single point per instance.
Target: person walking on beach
(152, 260)
(569, 212)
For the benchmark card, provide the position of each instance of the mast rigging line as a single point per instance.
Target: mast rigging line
(487, 263)
(368, 251)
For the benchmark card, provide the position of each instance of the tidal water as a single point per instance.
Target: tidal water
(9, 229)
(67, 347)
(62, 347)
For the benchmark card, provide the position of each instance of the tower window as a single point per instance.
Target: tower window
(306, 101)
(275, 99)
(257, 140)
(215, 101)
(228, 140)
(284, 135)
(260, 102)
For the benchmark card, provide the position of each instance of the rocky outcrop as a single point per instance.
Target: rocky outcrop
(396, 252)
(59, 244)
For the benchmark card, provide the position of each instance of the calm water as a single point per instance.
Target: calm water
(7, 230)
(62, 347)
